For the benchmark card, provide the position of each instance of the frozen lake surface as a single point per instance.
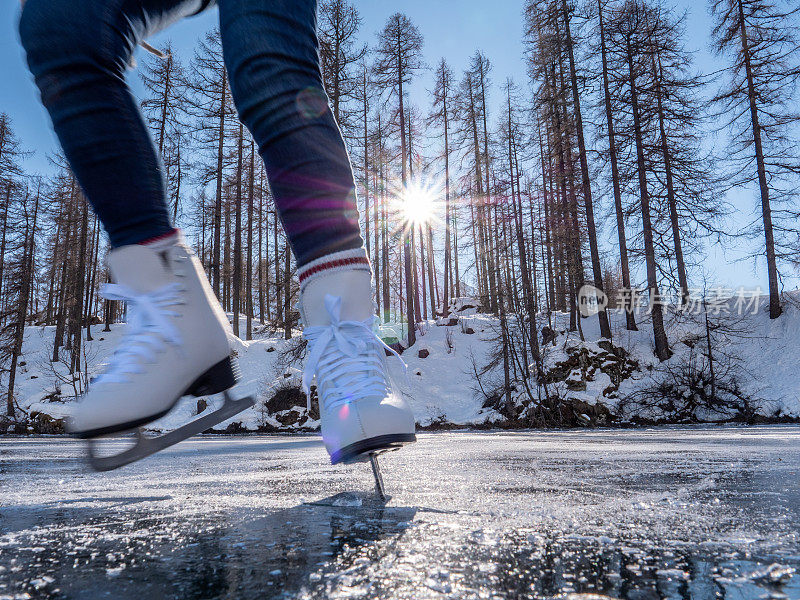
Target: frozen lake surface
(681, 512)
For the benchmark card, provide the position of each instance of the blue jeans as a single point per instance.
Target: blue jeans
(78, 52)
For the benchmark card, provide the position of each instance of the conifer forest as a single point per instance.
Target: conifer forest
(500, 190)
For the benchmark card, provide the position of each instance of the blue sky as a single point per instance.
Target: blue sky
(451, 28)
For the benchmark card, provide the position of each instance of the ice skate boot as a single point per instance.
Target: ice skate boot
(362, 415)
(176, 344)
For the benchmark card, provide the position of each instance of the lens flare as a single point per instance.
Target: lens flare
(418, 203)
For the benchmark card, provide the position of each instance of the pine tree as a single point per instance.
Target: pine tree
(605, 329)
(441, 117)
(210, 104)
(632, 25)
(340, 54)
(165, 83)
(760, 40)
(630, 318)
(399, 57)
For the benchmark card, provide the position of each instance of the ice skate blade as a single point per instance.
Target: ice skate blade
(380, 490)
(360, 451)
(146, 446)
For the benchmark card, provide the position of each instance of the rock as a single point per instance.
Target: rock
(286, 418)
(610, 391)
(548, 335)
(271, 349)
(576, 385)
(423, 353)
(469, 331)
(606, 345)
(202, 405)
(582, 364)
(236, 427)
(612, 349)
(447, 322)
(396, 346)
(285, 399)
(42, 423)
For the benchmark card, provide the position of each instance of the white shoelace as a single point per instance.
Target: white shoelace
(347, 357)
(149, 329)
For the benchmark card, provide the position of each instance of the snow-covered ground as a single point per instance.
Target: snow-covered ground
(441, 386)
(671, 512)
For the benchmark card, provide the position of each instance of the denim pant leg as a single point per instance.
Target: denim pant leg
(271, 52)
(78, 52)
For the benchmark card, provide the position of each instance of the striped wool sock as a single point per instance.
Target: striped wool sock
(345, 260)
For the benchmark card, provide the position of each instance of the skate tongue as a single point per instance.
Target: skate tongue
(346, 357)
(139, 268)
(351, 346)
(148, 328)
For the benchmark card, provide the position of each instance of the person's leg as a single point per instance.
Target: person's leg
(271, 52)
(78, 52)
(176, 342)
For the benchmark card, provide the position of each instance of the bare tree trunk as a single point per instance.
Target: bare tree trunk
(6, 206)
(432, 284)
(673, 208)
(262, 260)
(365, 115)
(237, 235)
(278, 283)
(215, 261)
(605, 329)
(61, 312)
(533, 338)
(385, 244)
(493, 268)
(22, 310)
(80, 282)
(659, 334)
(287, 294)
(377, 266)
(550, 292)
(89, 312)
(415, 275)
(109, 310)
(457, 273)
(250, 217)
(407, 249)
(447, 256)
(775, 309)
(630, 317)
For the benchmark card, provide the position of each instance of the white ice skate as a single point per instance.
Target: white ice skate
(362, 415)
(176, 345)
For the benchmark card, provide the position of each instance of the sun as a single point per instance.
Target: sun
(417, 204)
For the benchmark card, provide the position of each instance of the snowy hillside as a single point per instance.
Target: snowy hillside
(755, 359)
